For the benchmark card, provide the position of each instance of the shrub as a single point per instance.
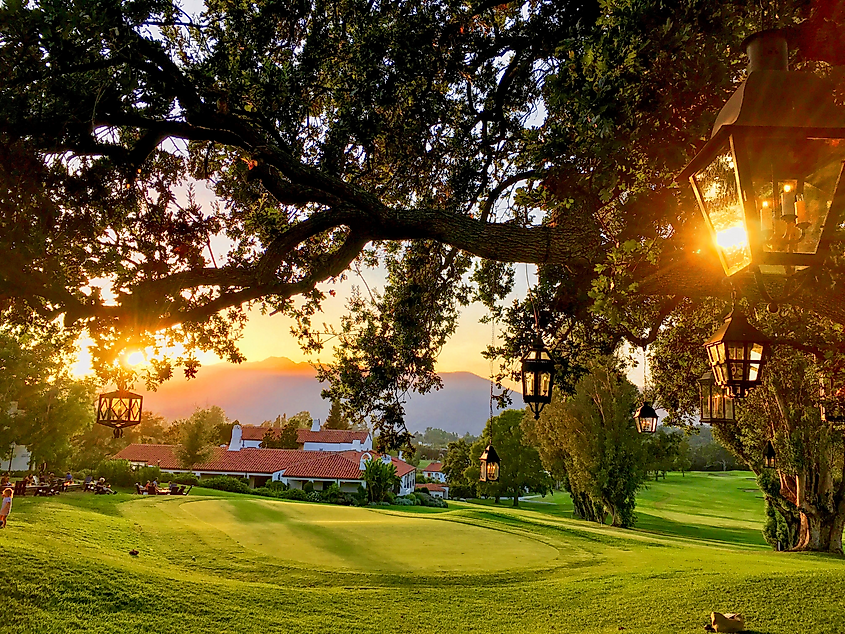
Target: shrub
(462, 491)
(332, 494)
(404, 502)
(314, 496)
(226, 483)
(184, 478)
(308, 487)
(423, 490)
(293, 494)
(276, 485)
(389, 497)
(116, 473)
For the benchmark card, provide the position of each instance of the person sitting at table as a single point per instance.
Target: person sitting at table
(103, 487)
(89, 479)
(68, 479)
(150, 488)
(33, 480)
(4, 481)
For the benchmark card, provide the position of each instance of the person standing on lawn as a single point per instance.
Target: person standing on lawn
(6, 506)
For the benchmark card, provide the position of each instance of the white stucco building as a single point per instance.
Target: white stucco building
(314, 439)
(434, 471)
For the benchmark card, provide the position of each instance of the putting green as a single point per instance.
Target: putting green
(366, 540)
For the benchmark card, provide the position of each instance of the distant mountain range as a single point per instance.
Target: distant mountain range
(257, 391)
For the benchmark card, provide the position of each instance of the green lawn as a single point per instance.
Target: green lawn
(215, 562)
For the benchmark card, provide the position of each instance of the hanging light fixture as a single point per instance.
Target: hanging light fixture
(119, 410)
(646, 419)
(831, 398)
(538, 375)
(737, 353)
(489, 464)
(769, 181)
(769, 455)
(717, 405)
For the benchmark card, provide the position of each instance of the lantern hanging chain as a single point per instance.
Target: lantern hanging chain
(492, 345)
(531, 299)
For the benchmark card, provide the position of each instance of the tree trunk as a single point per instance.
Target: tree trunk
(516, 498)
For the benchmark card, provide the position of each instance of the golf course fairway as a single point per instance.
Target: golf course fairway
(218, 562)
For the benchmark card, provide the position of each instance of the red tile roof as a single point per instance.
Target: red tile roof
(295, 462)
(253, 432)
(329, 465)
(434, 467)
(402, 467)
(243, 461)
(434, 487)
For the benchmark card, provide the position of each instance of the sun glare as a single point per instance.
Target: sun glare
(135, 358)
(732, 238)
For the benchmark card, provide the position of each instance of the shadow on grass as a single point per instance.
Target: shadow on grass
(657, 524)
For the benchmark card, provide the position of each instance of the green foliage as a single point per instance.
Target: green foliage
(225, 483)
(521, 469)
(458, 459)
(336, 418)
(381, 478)
(197, 436)
(592, 436)
(662, 452)
(284, 438)
(120, 473)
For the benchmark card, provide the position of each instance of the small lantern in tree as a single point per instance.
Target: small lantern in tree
(769, 179)
(646, 419)
(119, 410)
(737, 353)
(538, 374)
(769, 455)
(832, 399)
(489, 464)
(717, 405)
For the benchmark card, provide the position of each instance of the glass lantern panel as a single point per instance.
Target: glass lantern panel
(542, 354)
(736, 351)
(718, 405)
(545, 383)
(729, 408)
(492, 471)
(719, 195)
(705, 402)
(736, 372)
(528, 383)
(794, 180)
(753, 371)
(721, 375)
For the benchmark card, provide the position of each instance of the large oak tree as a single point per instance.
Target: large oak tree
(431, 138)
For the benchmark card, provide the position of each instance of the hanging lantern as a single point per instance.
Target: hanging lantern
(646, 419)
(717, 405)
(119, 410)
(769, 455)
(538, 374)
(768, 180)
(489, 464)
(737, 353)
(831, 399)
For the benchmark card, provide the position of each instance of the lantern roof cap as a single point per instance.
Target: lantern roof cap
(646, 411)
(490, 454)
(707, 375)
(769, 451)
(737, 328)
(120, 393)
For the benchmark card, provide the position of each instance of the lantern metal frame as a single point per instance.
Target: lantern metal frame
(831, 399)
(738, 353)
(787, 121)
(769, 456)
(538, 377)
(716, 405)
(490, 464)
(119, 410)
(646, 419)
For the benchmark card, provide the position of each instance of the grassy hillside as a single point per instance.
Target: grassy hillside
(216, 562)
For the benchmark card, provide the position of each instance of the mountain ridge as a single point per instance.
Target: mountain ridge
(255, 391)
